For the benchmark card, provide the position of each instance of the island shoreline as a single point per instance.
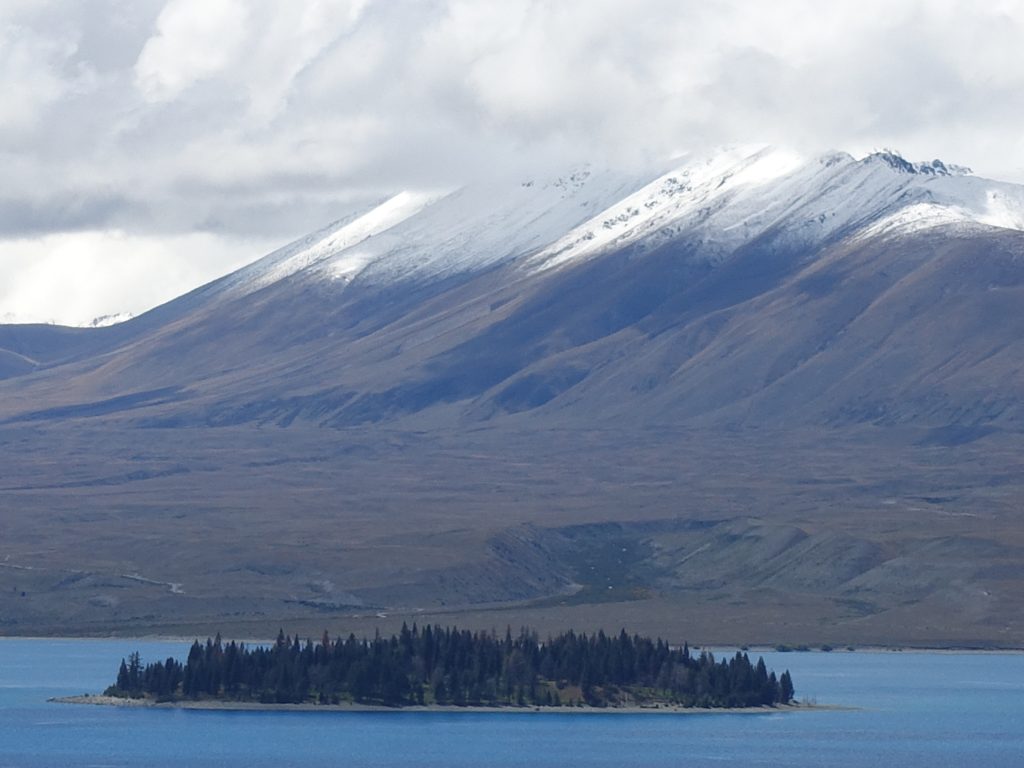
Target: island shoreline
(253, 706)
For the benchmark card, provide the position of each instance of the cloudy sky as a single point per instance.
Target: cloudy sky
(147, 146)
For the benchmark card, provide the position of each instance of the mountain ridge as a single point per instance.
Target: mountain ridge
(385, 254)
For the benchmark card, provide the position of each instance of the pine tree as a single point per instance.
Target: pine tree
(786, 688)
(122, 683)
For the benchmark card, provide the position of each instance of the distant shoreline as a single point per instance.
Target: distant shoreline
(713, 647)
(247, 706)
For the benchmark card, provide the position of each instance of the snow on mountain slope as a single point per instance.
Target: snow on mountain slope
(968, 201)
(308, 252)
(691, 189)
(103, 321)
(725, 200)
(481, 225)
(715, 203)
(431, 234)
(359, 321)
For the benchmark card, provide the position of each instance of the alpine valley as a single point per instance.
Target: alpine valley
(747, 397)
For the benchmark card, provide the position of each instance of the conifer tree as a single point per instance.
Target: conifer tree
(785, 688)
(452, 666)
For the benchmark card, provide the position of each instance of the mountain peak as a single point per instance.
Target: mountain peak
(935, 167)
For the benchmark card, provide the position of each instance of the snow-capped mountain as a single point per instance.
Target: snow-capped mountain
(415, 235)
(719, 202)
(732, 198)
(553, 293)
(788, 385)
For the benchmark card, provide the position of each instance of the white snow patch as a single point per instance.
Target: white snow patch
(104, 321)
(380, 219)
(956, 201)
(720, 203)
(694, 192)
(1003, 208)
(476, 227)
(419, 235)
(914, 218)
(311, 251)
(349, 264)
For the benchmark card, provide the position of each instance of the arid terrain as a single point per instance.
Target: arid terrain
(807, 434)
(688, 534)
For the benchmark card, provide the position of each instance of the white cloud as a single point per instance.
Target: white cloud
(74, 278)
(195, 39)
(31, 74)
(288, 41)
(262, 119)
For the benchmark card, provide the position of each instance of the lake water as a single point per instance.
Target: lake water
(915, 709)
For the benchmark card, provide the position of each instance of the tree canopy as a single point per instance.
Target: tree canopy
(448, 666)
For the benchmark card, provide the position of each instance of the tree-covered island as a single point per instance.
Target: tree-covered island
(442, 666)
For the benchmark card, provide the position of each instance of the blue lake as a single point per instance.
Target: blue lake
(915, 709)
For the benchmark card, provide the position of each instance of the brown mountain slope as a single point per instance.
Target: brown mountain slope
(790, 445)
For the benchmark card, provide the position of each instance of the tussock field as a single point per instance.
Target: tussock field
(720, 539)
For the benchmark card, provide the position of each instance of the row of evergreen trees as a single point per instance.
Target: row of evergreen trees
(449, 666)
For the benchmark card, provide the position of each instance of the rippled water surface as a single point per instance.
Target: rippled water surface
(914, 709)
